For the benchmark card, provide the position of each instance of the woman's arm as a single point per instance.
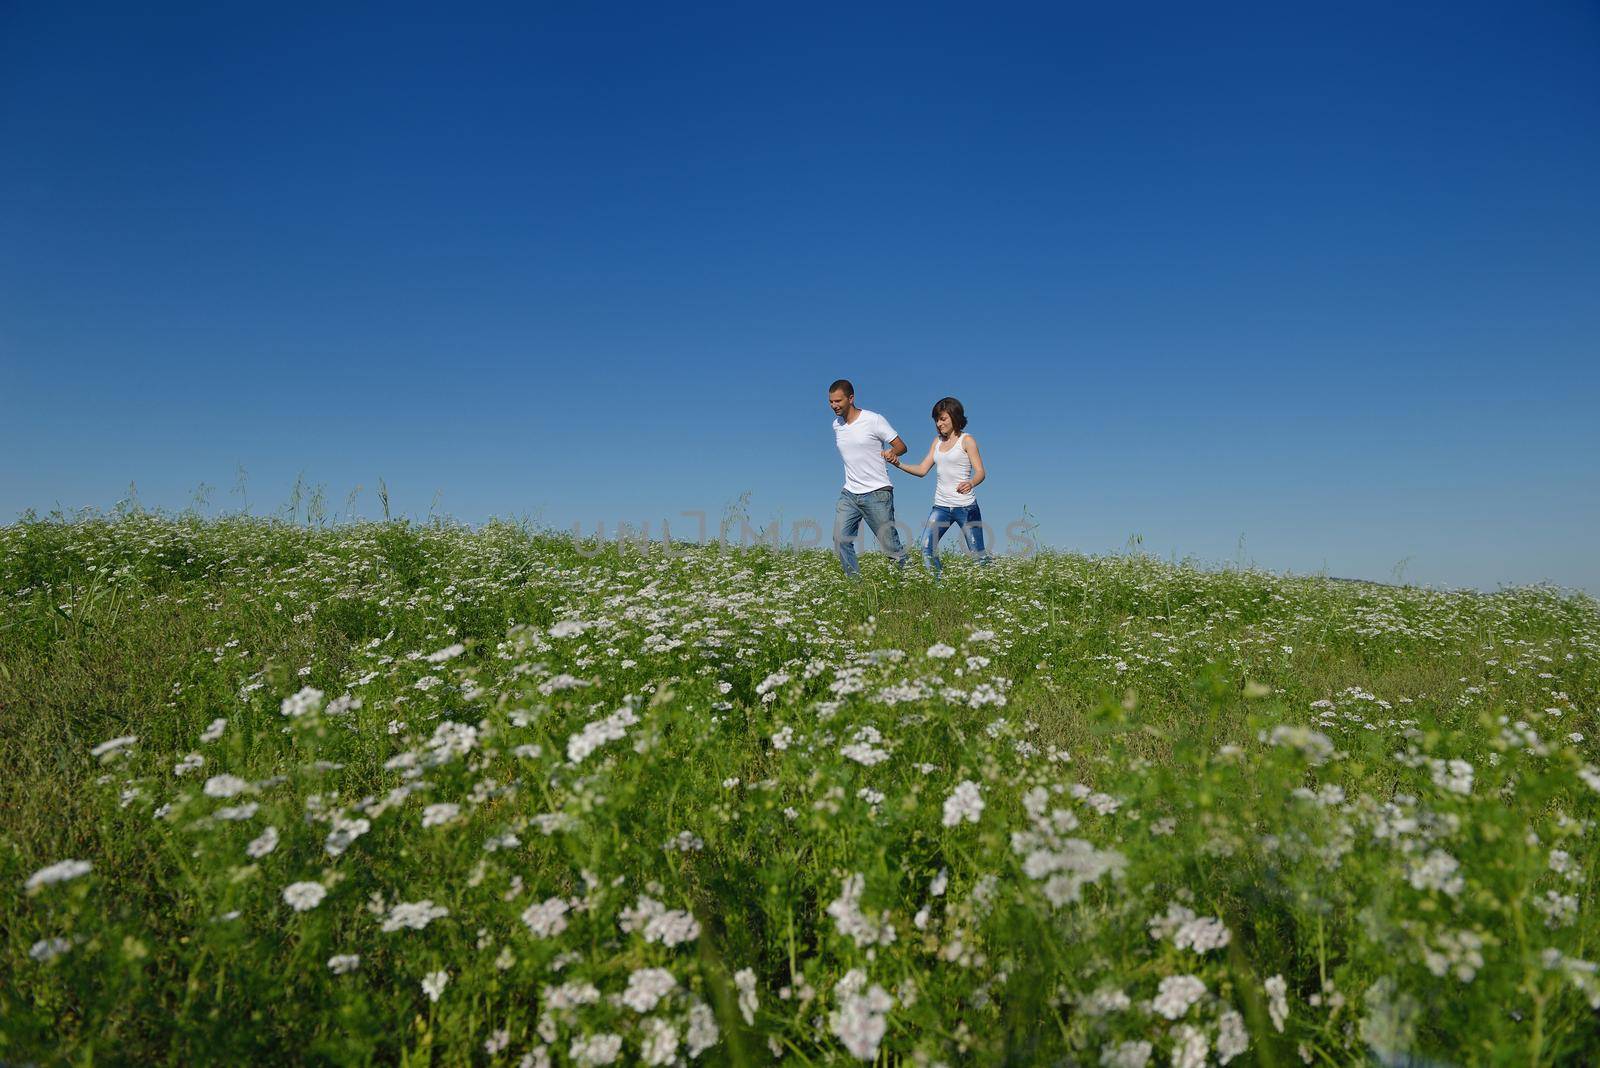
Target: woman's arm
(916, 469)
(978, 473)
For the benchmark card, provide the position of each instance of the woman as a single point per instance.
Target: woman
(955, 454)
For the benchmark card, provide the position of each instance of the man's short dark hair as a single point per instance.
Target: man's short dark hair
(843, 384)
(951, 407)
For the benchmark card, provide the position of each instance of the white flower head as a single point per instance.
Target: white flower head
(1177, 994)
(413, 915)
(263, 843)
(48, 949)
(1277, 1001)
(433, 984)
(702, 1033)
(59, 872)
(307, 700)
(745, 980)
(965, 804)
(672, 927)
(439, 814)
(546, 919)
(646, 987)
(114, 747)
(303, 897)
(225, 786)
(593, 1050)
(1126, 1055)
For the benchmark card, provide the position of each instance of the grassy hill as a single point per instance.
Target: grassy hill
(392, 793)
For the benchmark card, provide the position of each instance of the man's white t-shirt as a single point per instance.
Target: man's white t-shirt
(862, 444)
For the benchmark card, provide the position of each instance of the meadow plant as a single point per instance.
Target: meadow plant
(387, 792)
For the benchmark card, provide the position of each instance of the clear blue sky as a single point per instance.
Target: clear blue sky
(1324, 277)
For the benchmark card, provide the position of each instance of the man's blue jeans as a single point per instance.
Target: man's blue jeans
(877, 508)
(941, 519)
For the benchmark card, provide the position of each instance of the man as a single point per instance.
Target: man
(864, 439)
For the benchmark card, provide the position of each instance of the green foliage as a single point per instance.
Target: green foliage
(1057, 810)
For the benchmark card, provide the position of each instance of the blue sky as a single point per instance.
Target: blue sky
(1326, 280)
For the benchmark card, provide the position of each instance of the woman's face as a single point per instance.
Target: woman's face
(943, 424)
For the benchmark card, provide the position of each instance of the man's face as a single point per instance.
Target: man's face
(839, 401)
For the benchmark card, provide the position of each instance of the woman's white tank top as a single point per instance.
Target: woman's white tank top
(954, 467)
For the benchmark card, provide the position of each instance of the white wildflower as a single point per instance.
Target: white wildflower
(1313, 745)
(1232, 1038)
(59, 872)
(745, 980)
(1126, 1055)
(433, 984)
(263, 843)
(1104, 1001)
(659, 1042)
(852, 921)
(48, 949)
(603, 1048)
(344, 963)
(1191, 1047)
(548, 918)
(303, 897)
(299, 704)
(965, 803)
(345, 832)
(859, 1022)
(702, 1033)
(414, 915)
(671, 928)
(439, 814)
(1438, 871)
(1202, 935)
(646, 987)
(1277, 1001)
(1452, 775)
(1560, 910)
(597, 733)
(225, 786)
(1176, 994)
(113, 747)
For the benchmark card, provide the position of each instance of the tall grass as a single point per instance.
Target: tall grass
(725, 806)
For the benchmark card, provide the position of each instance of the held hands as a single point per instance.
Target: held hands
(889, 456)
(964, 487)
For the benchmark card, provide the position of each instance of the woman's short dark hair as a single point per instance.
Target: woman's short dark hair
(951, 407)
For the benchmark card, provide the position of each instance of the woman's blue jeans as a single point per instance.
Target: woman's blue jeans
(941, 519)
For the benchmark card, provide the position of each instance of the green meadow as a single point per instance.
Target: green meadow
(430, 794)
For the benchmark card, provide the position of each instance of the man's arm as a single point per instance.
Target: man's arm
(897, 446)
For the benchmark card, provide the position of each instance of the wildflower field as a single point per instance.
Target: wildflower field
(389, 793)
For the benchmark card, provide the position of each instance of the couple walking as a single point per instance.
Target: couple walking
(867, 443)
